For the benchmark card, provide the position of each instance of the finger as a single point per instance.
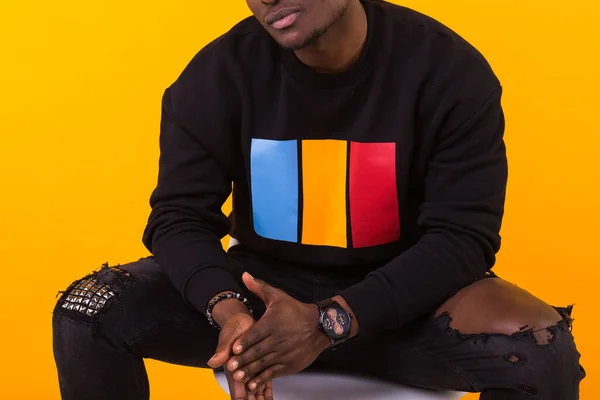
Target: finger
(251, 370)
(229, 334)
(260, 393)
(219, 359)
(269, 391)
(237, 390)
(222, 353)
(275, 371)
(253, 353)
(267, 293)
(259, 332)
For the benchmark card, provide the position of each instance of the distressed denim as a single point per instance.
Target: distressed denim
(105, 324)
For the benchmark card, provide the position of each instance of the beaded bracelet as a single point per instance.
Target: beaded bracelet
(229, 295)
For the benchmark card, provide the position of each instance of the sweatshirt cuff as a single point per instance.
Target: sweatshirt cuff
(371, 307)
(208, 282)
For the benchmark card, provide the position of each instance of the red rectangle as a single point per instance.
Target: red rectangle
(374, 214)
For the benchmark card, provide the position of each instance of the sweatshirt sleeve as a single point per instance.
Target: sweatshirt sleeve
(186, 223)
(459, 220)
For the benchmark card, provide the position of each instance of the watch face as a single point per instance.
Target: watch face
(336, 322)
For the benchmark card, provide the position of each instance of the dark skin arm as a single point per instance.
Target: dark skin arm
(284, 341)
(234, 319)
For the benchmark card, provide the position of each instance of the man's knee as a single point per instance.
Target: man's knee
(498, 307)
(87, 303)
(520, 330)
(119, 303)
(88, 298)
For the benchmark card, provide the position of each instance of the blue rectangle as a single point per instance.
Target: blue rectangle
(274, 186)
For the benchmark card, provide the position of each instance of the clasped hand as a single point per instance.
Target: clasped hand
(284, 341)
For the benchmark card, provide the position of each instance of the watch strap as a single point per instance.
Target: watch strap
(326, 303)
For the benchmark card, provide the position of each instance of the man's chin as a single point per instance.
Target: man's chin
(297, 41)
(294, 42)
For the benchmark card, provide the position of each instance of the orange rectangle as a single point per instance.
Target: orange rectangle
(324, 166)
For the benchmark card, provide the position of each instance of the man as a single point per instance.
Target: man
(364, 143)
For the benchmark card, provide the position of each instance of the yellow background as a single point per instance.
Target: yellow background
(80, 88)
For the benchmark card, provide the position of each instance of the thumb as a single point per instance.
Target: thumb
(229, 334)
(263, 290)
(221, 355)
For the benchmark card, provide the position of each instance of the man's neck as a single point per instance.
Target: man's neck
(341, 45)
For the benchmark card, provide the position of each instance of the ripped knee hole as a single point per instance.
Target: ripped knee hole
(542, 337)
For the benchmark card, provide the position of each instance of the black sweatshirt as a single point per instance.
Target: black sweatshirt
(413, 183)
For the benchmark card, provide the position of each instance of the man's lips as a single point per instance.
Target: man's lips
(280, 16)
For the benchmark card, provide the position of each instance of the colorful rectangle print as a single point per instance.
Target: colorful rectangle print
(274, 185)
(374, 215)
(324, 164)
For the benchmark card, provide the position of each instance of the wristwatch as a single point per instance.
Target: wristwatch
(334, 321)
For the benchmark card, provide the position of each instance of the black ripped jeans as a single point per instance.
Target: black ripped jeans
(106, 324)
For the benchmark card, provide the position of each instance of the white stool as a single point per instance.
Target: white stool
(324, 386)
